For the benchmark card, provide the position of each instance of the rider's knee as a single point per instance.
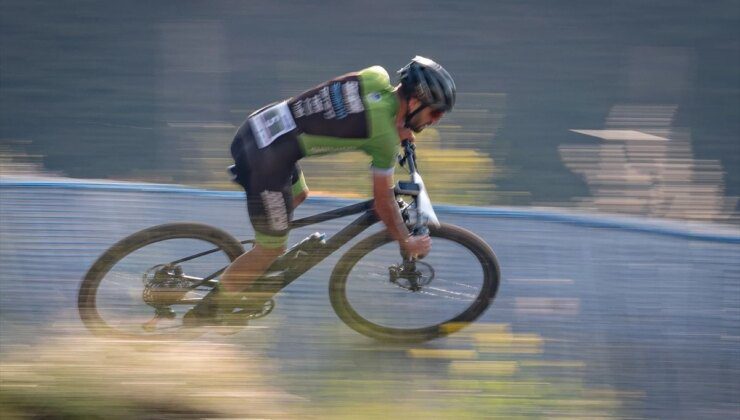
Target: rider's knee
(299, 189)
(300, 198)
(270, 252)
(270, 243)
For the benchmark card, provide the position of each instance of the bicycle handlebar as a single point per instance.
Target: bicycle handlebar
(409, 155)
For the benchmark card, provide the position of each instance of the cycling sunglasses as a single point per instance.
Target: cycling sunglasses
(436, 113)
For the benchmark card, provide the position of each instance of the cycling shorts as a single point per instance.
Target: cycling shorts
(270, 177)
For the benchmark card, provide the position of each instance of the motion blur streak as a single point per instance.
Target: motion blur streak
(589, 322)
(604, 133)
(155, 91)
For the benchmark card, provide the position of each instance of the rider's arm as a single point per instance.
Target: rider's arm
(386, 206)
(387, 210)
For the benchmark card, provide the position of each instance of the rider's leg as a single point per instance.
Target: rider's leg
(244, 270)
(299, 198)
(270, 178)
(241, 275)
(298, 187)
(251, 265)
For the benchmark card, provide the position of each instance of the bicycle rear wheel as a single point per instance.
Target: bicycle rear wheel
(141, 287)
(374, 293)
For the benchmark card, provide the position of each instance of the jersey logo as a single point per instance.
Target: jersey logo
(333, 109)
(335, 101)
(374, 97)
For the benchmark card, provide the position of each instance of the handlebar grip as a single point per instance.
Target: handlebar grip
(420, 231)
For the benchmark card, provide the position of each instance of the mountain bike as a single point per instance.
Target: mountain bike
(144, 285)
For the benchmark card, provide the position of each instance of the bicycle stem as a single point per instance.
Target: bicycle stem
(409, 155)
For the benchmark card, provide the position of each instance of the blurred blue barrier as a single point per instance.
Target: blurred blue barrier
(679, 229)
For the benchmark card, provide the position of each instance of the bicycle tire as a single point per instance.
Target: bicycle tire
(87, 297)
(350, 316)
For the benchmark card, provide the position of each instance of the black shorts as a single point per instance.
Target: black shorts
(269, 177)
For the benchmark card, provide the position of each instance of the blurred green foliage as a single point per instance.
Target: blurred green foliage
(499, 374)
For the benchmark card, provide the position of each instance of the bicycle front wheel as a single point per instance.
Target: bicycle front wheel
(375, 293)
(143, 285)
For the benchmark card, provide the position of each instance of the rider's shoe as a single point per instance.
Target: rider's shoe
(204, 313)
(221, 308)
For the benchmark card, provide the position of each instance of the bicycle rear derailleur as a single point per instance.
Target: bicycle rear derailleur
(165, 285)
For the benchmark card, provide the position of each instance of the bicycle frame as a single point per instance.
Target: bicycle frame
(290, 269)
(285, 270)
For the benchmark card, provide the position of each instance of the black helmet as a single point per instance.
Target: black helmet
(429, 82)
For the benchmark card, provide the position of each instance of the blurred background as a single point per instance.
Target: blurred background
(627, 106)
(585, 107)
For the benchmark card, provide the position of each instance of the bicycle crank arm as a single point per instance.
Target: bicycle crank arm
(160, 313)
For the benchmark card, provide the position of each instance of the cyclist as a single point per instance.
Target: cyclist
(356, 111)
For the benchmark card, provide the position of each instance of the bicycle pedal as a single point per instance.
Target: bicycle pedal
(255, 310)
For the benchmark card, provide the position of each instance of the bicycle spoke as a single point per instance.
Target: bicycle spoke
(449, 280)
(129, 293)
(448, 294)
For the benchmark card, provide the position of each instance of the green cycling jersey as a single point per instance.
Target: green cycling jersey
(356, 111)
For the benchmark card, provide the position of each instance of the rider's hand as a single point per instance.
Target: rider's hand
(406, 134)
(416, 246)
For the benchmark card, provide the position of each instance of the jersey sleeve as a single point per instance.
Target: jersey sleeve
(384, 151)
(381, 105)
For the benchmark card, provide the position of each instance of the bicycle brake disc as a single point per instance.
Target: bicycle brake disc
(411, 275)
